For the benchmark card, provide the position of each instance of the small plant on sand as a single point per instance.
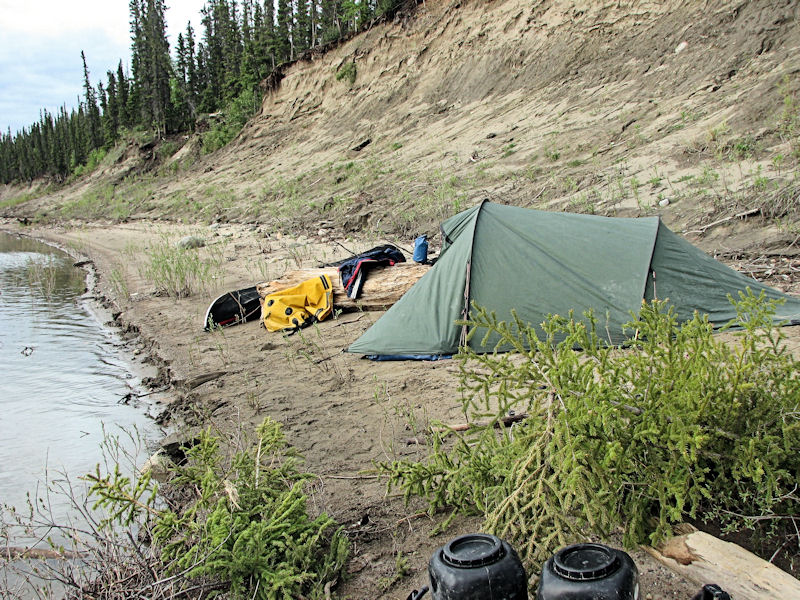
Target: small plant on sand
(581, 203)
(237, 525)
(677, 424)
(310, 346)
(220, 342)
(401, 570)
(552, 152)
(716, 133)
(347, 72)
(118, 284)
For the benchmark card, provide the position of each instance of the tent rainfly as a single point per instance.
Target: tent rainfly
(540, 263)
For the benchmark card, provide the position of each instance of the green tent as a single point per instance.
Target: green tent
(540, 263)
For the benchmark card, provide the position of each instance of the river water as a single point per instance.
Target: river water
(63, 377)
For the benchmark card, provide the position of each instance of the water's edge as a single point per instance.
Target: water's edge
(149, 386)
(150, 370)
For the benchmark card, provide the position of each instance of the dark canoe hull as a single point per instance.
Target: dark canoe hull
(233, 308)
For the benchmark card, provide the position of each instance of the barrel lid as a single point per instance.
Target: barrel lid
(585, 561)
(473, 550)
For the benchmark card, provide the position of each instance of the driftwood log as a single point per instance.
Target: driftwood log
(383, 285)
(703, 558)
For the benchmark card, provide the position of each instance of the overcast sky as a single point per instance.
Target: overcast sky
(40, 50)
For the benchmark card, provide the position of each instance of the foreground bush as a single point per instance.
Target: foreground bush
(676, 424)
(240, 526)
(233, 526)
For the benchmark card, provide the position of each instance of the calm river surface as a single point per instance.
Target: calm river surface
(62, 375)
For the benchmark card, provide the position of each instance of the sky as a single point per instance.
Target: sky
(40, 50)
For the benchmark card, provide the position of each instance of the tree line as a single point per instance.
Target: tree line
(239, 44)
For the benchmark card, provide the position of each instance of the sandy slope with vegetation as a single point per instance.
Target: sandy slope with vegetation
(689, 111)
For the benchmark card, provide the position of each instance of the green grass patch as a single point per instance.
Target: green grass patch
(102, 202)
(179, 272)
(17, 200)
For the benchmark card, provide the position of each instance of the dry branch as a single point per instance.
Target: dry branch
(741, 215)
(17, 552)
(506, 421)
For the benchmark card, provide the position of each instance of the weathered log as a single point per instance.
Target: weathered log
(383, 285)
(703, 558)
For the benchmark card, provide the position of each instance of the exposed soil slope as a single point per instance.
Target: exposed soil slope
(602, 107)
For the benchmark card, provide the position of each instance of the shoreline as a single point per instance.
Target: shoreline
(126, 337)
(342, 413)
(132, 371)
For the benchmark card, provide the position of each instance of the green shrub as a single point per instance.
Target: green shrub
(166, 149)
(243, 524)
(235, 115)
(677, 424)
(94, 159)
(347, 72)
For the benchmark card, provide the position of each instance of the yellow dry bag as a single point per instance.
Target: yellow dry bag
(298, 306)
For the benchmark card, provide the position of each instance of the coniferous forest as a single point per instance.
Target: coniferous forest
(216, 68)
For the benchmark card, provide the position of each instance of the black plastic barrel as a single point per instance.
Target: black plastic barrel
(589, 572)
(477, 566)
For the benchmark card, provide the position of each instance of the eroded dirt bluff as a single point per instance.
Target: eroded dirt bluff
(605, 107)
(678, 108)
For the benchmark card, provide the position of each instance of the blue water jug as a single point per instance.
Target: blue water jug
(421, 249)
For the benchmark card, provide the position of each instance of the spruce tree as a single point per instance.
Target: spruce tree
(94, 133)
(267, 42)
(179, 95)
(135, 106)
(123, 106)
(228, 28)
(301, 33)
(7, 158)
(190, 77)
(103, 99)
(283, 32)
(111, 110)
(330, 23)
(213, 58)
(313, 14)
(250, 73)
(159, 66)
(63, 149)
(181, 59)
